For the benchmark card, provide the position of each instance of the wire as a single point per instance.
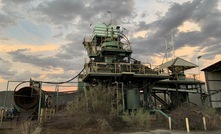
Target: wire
(47, 82)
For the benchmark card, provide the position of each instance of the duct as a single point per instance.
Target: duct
(26, 99)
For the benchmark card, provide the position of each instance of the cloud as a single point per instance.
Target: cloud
(66, 12)
(202, 12)
(48, 63)
(67, 21)
(4, 38)
(5, 70)
(6, 20)
(16, 1)
(25, 75)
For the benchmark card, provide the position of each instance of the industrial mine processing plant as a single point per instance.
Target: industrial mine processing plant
(111, 64)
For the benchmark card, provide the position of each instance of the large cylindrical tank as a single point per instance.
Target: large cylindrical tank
(133, 98)
(27, 98)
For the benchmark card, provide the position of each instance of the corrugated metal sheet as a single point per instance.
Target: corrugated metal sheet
(178, 62)
(214, 67)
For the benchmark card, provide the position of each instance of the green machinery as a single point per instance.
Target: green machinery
(109, 51)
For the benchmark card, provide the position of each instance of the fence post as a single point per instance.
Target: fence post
(51, 112)
(46, 113)
(187, 125)
(2, 115)
(204, 123)
(41, 115)
(169, 119)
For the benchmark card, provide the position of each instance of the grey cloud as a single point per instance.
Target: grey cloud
(77, 15)
(59, 35)
(25, 75)
(6, 20)
(63, 76)
(49, 63)
(7, 73)
(204, 9)
(71, 51)
(66, 11)
(175, 17)
(4, 38)
(143, 14)
(61, 11)
(190, 38)
(202, 12)
(16, 1)
(5, 70)
(13, 11)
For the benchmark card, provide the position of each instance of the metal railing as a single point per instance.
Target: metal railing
(102, 67)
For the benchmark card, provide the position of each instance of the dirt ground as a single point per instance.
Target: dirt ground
(63, 123)
(94, 130)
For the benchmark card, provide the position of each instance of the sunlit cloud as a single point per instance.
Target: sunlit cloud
(189, 27)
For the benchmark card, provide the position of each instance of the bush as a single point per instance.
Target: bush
(27, 127)
(212, 118)
(137, 119)
(96, 105)
(99, 108)
(195, 115)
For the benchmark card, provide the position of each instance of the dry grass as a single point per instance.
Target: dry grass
(98, 110)
(195, 115)
(137, 119)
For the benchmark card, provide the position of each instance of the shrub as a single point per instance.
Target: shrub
(212, 118)
(137, 119)
(195, 115)
(96, 105)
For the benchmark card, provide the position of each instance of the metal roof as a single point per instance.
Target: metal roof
(178, 63)
(214, 67)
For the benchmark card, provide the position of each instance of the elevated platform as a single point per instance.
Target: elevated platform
(124, 76)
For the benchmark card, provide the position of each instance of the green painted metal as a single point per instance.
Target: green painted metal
(81, 85)
(110, 52)
(40, 99)
(161, 112)
(133, 98)
(123, 100)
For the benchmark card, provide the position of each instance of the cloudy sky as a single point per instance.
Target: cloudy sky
(42, 39)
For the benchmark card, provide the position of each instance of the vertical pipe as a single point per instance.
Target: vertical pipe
(39, 104)
(204, 123)
(122, 88)
(170, 125)
(187, 125)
